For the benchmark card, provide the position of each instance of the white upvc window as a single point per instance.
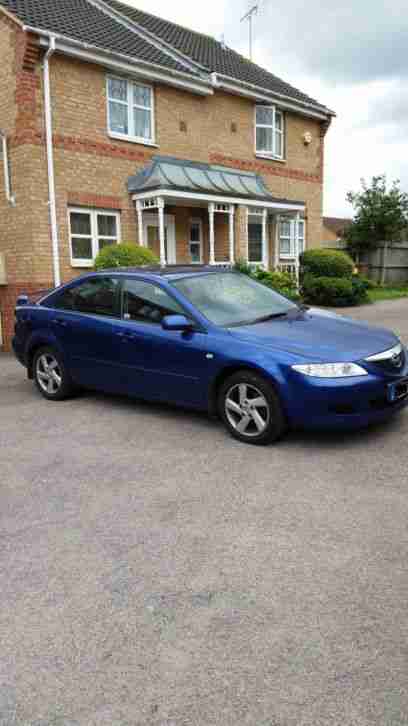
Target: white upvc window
(89, 231)
(287, 237)
(269, 132)
(130, 110)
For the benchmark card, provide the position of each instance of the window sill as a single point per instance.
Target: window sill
(82, 263)
(269, 157)
(133, 140)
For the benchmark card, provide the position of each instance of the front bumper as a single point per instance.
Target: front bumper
(341, 403)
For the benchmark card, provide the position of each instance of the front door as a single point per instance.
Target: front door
(151, 234)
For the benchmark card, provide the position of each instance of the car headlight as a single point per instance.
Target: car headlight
(330, 370)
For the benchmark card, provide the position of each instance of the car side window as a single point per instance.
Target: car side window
(96, 296)
(147, 303)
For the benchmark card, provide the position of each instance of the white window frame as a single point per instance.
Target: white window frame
(95, 237)
(292, 238)
(262, 152)
(130, 105)
(196, 220)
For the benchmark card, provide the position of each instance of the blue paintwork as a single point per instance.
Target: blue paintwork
(184, 367)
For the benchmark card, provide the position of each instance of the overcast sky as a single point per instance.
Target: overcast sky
(350, 56)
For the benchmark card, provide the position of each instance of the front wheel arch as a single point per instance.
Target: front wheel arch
(227, 373)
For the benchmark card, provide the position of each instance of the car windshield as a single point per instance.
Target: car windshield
(231, 299)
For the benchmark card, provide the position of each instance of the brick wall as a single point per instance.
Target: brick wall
(92, 169)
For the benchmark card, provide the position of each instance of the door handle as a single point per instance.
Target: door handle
(126, 336)
(60, 321)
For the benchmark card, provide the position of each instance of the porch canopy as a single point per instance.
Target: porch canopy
(170, 180)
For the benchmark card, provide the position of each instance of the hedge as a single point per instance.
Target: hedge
(124, 255)
(326, 263)
(336, 292)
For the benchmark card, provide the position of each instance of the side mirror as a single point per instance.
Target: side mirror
(22, 300)
(176, 322)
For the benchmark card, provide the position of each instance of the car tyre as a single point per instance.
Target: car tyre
(250, 409)
(51, 376)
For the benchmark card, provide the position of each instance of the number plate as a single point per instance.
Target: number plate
(398, 390)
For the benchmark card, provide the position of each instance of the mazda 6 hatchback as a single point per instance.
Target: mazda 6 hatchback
(213, 340)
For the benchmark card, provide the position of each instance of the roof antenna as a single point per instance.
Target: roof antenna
(248, 16)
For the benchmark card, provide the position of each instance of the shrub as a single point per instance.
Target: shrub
(124, 255)
(281, 282)
(368, 284)
(244, 267)
(326, 263)
(334, 291)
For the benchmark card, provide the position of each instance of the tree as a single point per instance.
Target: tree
(380, 215)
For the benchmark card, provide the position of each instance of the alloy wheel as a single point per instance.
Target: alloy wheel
(48, 374)
(247, 410)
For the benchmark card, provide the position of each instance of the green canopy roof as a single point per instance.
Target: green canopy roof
(169, 174)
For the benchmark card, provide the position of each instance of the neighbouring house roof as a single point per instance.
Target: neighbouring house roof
(336, 225)
(119, 28)
(211, 54)
(168, 173)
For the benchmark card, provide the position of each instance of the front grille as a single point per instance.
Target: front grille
(390, 361)
(394, 364)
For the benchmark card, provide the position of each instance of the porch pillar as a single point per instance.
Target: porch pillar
(231, 234)
(211, 209)
(297, 220)
(160, 204)
(277, 241)
(265, 240)
(241, 233)
(140, 223)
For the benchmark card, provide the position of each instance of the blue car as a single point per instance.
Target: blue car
(213, 340)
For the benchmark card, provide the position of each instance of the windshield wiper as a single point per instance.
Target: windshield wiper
(263, 319)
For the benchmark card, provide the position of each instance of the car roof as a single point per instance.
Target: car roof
(170, 272)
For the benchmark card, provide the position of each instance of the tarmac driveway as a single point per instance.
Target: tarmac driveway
(154, 571)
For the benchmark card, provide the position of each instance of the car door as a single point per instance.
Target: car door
(162, 365)
(85, 325)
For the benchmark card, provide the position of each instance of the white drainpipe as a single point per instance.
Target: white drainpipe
(7, 186)
(50, 163)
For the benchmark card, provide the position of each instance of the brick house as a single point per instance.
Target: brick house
(333, 230)
(117, 125)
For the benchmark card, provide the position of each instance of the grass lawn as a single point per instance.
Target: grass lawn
(387, 293)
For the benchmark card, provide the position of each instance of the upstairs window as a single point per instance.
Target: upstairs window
(90, 231)
(130, 110)
(269, 132)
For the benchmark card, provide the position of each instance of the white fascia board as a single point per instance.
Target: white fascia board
(281, 206)
(241, 88)
(139, 30)
(122, 63)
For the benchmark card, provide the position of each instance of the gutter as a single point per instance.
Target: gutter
(50, 162)
(6, 168)
(253, 91)
(124, 63)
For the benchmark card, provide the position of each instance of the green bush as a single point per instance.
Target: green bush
(124, 255)
(326, 263)
(334, 291)
(369, 284)
(244, 267)
(281, 282)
